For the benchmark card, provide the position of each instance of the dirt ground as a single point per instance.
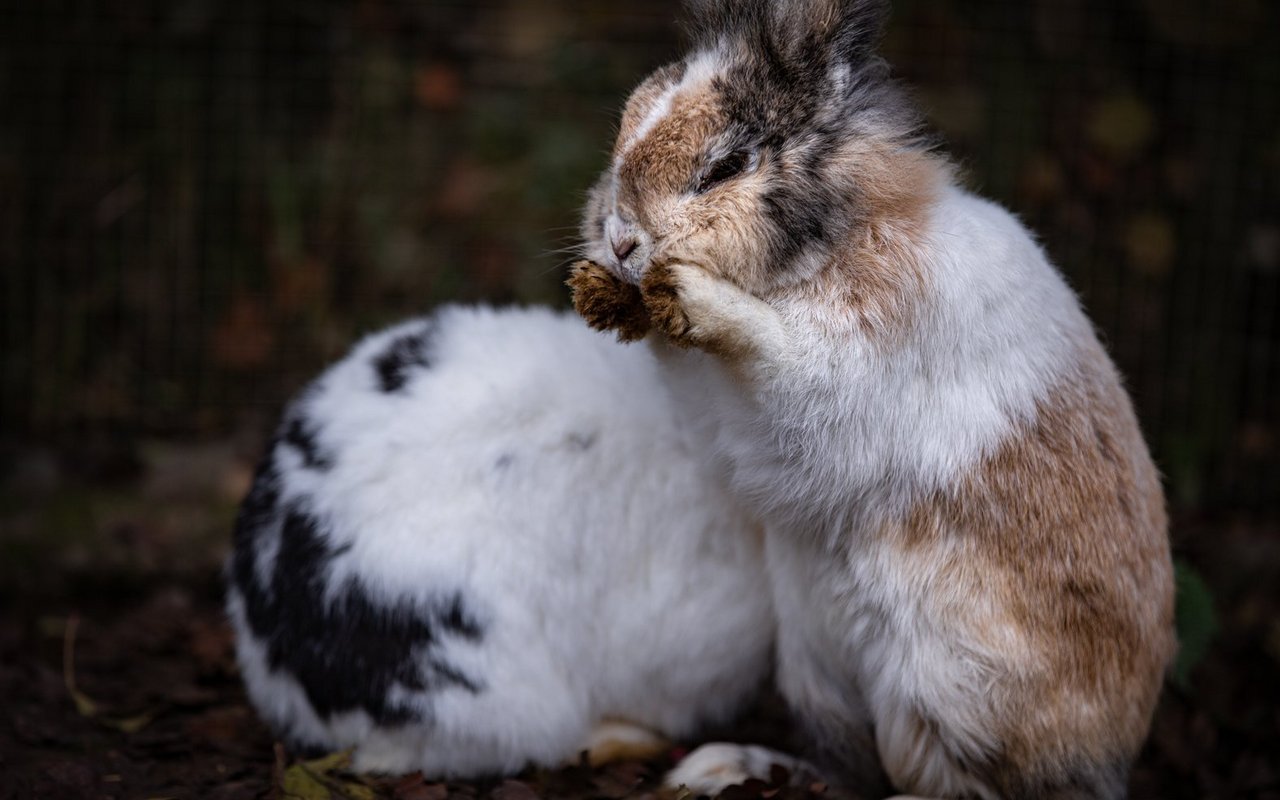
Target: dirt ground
(117, 678)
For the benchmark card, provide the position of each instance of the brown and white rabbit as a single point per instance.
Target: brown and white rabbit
(966, 538)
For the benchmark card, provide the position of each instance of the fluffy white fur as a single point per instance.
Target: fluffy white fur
(537, 468)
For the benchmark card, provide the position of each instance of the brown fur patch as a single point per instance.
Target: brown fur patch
(1063, 537)
(876, 278)
(663, 161)
(642, 100)
(606, 303)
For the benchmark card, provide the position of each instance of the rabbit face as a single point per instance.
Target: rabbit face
(761, 155)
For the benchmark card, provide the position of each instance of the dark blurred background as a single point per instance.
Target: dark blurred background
(204, 201)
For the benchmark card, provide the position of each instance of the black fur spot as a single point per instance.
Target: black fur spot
(456, 619)
(257, 513)
(405, 353)
(347, 650)
(581, 442)
(301, 434)
(797, 221)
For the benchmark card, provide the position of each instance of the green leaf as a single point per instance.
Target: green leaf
(324, 778)
(1196, 622)
(299, 783)
(330, 763)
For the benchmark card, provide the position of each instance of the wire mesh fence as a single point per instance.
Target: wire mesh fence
(203, 201)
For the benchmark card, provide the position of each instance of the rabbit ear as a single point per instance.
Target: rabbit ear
(804, 33)
(834, 31)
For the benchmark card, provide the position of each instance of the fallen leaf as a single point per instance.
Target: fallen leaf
(514, 790)
(422, 791)
(85, 705)
(330, 763)
(301, 784)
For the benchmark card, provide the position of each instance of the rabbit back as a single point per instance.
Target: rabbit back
(480, 534)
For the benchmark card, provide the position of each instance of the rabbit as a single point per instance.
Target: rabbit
(965, 534)
(482, 541)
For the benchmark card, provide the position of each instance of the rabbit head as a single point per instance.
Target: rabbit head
(779, 141)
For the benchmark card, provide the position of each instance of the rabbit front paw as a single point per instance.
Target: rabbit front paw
(662, 291)
(697, 309)
(607, 303)
(712, 768)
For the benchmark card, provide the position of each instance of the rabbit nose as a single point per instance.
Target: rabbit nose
(623, 247)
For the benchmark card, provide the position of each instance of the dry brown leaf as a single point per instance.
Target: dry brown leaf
(85, 705)
(514, 790)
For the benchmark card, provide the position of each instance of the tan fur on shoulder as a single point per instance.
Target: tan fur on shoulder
(875, 277)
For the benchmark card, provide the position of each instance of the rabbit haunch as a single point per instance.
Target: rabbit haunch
(966, 535)
(458, 557)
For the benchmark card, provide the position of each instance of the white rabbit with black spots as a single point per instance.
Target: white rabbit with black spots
(965, 533)
(481, 541)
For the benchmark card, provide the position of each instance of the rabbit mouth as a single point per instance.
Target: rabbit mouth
(626, 248)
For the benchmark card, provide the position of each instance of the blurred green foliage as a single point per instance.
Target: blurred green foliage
(1196, 622)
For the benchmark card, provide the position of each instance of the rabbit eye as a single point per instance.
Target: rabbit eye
(728, 167)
